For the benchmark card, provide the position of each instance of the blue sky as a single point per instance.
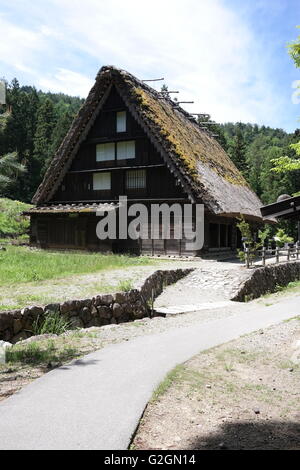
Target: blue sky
(228, 56)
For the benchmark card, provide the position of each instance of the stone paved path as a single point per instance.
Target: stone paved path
(211, 282)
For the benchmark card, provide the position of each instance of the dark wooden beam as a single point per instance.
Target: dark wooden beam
(97, 170)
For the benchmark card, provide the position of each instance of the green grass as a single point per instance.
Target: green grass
(59, 349)
(4, 307)
(172, 377)
(297, 317)
(52, 323)
(39, 354)
(22, 264)
(12, 223)
(293, 286)
(125, 286)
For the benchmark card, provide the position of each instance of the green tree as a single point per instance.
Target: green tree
(60, 130)
(287, 163)
(237, 150)
(45, 124)
(10, 168)
(23, 130)
(18, 134)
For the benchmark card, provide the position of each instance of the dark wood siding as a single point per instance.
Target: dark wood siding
(160, 184)
(78, 182)
(71, 231)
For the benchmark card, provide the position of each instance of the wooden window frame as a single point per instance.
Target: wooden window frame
(124, 120)
(125, 142)
(134, 174)
(101, 175)
(113, 145)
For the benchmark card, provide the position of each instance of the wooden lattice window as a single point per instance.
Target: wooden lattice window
(136, 179)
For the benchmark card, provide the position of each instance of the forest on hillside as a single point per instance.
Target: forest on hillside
(34, 123)
(253, 148)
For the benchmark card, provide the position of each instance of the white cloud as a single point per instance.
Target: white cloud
(18, 45)
(203, 48)
(67, 81)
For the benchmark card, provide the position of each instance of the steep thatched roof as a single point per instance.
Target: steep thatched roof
(197, 160)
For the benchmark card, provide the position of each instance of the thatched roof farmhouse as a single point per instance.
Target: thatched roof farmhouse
(172, 156)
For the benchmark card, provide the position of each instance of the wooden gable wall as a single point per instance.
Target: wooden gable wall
(78, 182)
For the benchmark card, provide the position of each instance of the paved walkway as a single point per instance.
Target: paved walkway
(211, 283)
(96, 402)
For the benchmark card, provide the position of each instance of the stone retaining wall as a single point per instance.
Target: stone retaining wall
(101, 310)
(267, 279)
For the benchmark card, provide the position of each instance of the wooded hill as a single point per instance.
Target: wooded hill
(34, 124)
(252, 148)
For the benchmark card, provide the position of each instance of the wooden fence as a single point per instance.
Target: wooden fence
(274, 255)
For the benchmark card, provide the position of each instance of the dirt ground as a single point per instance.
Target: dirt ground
(242, 395)
(61, 349)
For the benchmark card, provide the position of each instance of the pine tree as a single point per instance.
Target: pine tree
(45, 124)
(60, 130)
(26, 110)
(237, 150)
(9, 169)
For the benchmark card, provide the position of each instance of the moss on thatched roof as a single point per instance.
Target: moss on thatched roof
(196, 158)
(186, 139)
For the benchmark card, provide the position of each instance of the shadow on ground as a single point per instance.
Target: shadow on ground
(269, 435)
(80, 362)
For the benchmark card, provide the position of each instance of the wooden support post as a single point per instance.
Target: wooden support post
(247, 257)
(297, 250)
(152, 303)
(263, 255)
(277, 254)
(288, 253)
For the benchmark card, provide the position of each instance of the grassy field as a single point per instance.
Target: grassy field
(23, 264)
(29, 275)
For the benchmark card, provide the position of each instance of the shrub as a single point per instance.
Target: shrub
(125, 286)
(50, 323)
(281, 238)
